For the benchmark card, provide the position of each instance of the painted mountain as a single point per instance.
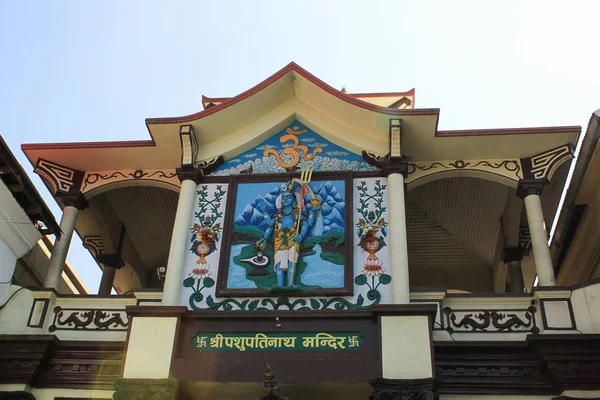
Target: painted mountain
(332, 208)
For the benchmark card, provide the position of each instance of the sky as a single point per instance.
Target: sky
(94, 70)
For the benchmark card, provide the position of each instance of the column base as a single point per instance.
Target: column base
(404, 389)
(145, 389)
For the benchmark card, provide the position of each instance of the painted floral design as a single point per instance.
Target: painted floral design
(373, 268)
(205, 236)
(371, 231)
(200, 272)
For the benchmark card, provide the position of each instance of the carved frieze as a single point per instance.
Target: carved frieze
(490, 320)
(71, 319)
(510, 169)
(94, 180)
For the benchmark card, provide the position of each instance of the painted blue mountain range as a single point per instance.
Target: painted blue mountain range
(332, 208)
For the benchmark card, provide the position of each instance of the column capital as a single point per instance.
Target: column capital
(528, 187)
(76, 200)
(189, 174)
(195, 173)
(396, 166)
(512, 254)
(145, 389)
(389, 165)
(391, 389)
(111, 260)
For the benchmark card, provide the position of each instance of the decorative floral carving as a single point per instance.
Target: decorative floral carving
(282, 303)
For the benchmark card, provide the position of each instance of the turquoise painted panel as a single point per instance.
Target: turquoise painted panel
(291, 148)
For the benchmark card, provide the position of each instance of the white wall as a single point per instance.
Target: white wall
(17, 236)
(7, 268)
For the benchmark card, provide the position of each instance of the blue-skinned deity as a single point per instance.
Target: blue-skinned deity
(288, 226)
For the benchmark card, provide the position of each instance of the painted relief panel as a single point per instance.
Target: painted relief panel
(205, 241)
(292, 148)
(371, 251)
(287, 236)
(217, 238)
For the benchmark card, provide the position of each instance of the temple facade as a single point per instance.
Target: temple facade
(300, 242)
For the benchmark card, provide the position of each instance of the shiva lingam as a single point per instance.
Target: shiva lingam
(259, 261)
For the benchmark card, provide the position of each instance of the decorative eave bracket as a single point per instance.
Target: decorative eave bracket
(544, 165)
(64, 182)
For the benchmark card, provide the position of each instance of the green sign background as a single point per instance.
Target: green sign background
(276, 341)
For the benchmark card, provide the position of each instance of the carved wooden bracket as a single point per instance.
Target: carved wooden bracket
(61, 179)
(204, 168)
(545, 164)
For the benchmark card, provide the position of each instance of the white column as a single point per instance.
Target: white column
(397, 240)
(108, 278)
(61, 247)
(179, 243)
(539, 240)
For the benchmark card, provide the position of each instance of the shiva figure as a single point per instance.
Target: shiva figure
(288, 227)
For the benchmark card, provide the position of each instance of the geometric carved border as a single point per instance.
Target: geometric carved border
(525, 239)
(94, 243)
(60, 178)
(545, 164)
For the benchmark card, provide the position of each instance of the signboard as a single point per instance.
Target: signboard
(276, 341)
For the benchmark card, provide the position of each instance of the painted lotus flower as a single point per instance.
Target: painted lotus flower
(201, 271)
(373, 268)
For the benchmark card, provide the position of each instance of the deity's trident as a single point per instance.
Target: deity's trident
(305, 176)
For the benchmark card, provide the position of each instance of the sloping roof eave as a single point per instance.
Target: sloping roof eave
(291, 67)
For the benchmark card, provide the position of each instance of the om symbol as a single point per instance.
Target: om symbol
(292, 135)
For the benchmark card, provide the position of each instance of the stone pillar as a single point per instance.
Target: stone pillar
(529, 190)
(179, 239)
(61, 245)
(108, 277)
(397, 239)
(512, 256)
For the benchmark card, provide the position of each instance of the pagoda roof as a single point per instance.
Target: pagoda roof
(356, 122)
